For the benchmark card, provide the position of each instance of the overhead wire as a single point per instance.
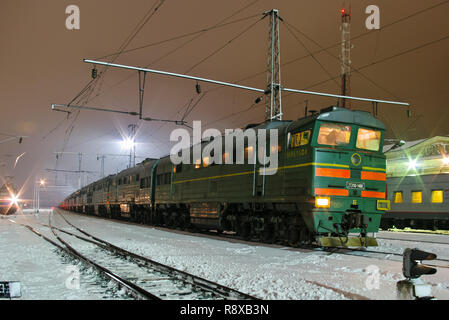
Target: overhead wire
(198, 35)
(355, 69)
(222, 47)
(287, 26)
(185, 35)
(361, 35)
(86, 92)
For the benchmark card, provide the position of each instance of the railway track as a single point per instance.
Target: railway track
(197, 288)
(360, 252)
(182, 274)
(131, 289)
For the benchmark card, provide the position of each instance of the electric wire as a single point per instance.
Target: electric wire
(198, 35)
(185, 35)
(223, 46)
(361, 35)
(287, 26)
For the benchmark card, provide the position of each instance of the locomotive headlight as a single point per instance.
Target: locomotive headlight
(322, 202)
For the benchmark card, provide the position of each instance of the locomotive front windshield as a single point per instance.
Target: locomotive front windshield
(368, 139)
(334, 134)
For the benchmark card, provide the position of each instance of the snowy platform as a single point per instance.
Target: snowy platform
(265, 271)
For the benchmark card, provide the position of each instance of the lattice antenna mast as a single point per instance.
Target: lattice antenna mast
(273, 102)
(345, 57)
(132, 150)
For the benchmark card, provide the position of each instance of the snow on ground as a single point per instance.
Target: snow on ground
(266, 271)
(402, 241)
(42, 271)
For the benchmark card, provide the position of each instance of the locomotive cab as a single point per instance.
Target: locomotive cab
(348, 178)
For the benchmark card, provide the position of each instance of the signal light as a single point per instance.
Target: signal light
(342, 11)
(411, 269)
(94, 73)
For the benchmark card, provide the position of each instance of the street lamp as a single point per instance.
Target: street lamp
(127, 144)
(37, 186)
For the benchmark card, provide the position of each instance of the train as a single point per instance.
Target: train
(418, 185)
(9, 203)
(329, 188)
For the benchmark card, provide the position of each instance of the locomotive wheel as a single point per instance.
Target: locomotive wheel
(166, 219)
(293, 236)
(268, 233)
(174, 220)
(304, 236)
(245, 230)
(182, 221)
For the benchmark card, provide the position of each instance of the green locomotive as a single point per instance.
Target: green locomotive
(329, 188)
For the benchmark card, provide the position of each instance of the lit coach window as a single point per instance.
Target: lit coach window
(437, 196)
(397, 196)
(416, 196)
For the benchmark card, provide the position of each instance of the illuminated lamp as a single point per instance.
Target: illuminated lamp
(127, 144)
(322, 202)
(412, 164)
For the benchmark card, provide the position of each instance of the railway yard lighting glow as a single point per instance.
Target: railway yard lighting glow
(412, 164)
(127, 144)
(42, 182)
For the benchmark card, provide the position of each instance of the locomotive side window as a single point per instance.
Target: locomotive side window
(436, 196)
(225, 158)
(397, 197)
(249, 152)
(197, 163)
(206, 162)
(300, 139)
(416, 196)
(334, 134)
(368, 139)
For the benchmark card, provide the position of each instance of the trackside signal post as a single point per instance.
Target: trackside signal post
(414, 288)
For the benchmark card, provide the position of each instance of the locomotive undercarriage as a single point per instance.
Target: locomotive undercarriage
(268, 222)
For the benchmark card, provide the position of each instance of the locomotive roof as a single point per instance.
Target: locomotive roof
(363, 118)
(335, 114)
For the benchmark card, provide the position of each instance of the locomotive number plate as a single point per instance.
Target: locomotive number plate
(355, 185)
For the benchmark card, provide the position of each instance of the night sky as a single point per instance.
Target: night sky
(41, 63)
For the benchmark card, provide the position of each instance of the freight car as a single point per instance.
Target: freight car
(329, 187)
(418, 185)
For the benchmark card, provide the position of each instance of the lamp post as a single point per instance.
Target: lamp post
(37, 186)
